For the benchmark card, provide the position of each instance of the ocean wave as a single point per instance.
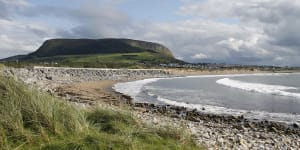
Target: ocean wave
(259, 87)
(261, 115)
(133, 88)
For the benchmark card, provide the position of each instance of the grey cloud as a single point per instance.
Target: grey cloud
(189, 38)
(275, 20)
(98, 22)
(93, 20)
(286, 34)
(9, 7)
(3, 10)
(9, 53)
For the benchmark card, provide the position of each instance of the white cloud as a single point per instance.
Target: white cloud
(16, 2)
(278, 58)
(232, 43)
(199, 56)
(21, 37)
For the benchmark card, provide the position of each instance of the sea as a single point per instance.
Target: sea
(264, 96)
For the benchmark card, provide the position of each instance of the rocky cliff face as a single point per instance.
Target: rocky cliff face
(155, 47)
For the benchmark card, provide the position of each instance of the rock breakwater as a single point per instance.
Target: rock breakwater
(48, 78)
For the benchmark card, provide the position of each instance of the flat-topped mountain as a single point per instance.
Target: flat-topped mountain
(98, 53)
(55, 47)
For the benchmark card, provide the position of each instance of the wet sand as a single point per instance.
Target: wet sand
(90, 92)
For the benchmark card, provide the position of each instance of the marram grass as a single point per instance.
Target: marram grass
(30, 119)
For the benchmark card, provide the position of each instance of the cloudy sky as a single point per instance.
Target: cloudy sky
(222, 31)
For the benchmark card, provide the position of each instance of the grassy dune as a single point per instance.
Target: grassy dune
(31, 119)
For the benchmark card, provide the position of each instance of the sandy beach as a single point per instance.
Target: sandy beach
(90, 92)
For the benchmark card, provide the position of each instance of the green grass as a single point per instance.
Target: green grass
(120, 58)
(1, 66)
(116, 60)
(31, 119)
(127, 60)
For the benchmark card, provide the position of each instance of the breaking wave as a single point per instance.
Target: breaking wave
(133, 88)
(259, 87)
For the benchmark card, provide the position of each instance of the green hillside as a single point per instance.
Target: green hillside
(97, 53)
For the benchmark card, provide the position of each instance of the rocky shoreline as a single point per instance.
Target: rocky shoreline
(238, 122)
(215, 131)
(220, 135)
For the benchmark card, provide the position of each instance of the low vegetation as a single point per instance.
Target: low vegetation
(116, 60)
(1, 66)
(31, 119)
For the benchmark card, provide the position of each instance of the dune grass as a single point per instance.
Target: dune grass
(31, 119)
(1, 66)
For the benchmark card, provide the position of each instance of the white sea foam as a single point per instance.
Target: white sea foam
(133, 88)
(260, 88)
(278, 117)
(237, 75)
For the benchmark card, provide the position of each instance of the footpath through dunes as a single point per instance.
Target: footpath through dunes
(214, 131)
